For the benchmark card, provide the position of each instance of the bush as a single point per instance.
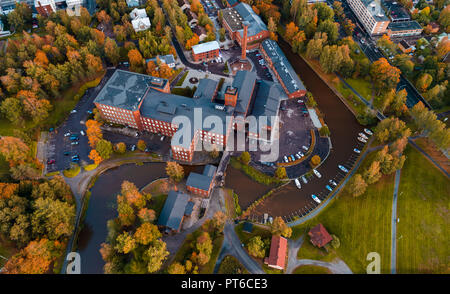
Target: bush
(230, 265)
(335, 243)
(324, 131)
(141, 145)
(237, 207)
(254, 173)
(181, 80)
(72, 172)
(280, 172)
(315, 161)
(245, 158)
(120, 148)
(90, 167)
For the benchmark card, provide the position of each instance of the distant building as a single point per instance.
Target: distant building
(166, 59)
(404, 29)
(192, 18)
(371, 15)
(232, 3)
(282, 68)
(244, 26)
(132, 3)
(200, 32)
(202, 184)
(319, 236)
(205, 51)
(173, 212)
(405, 47)
(395, 11)
(139, 20)
(278, 251)
(45, 7)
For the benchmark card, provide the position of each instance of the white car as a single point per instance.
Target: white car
(162, 138)
(342, 168)
(304, 180)
(67, 134)
(368, 132)
(298, 156)
(305, 148)
(315, 198)
(297, 183)
(363, 136)
(285, 159)
(82, 133)
(362, 140)
(356, 151)
(133, 147)
(332, 183)
(73, 111)
(301, 154)
(317, 173)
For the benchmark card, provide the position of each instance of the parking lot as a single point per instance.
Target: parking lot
(260, 66)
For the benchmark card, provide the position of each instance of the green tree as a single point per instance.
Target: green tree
(141, 145)
(256, 247)
(176, 268)
(280, 228)
(156, 254)
(120, 148)
(280, 172)
(104, 148)
(175, 171)
(245, 158)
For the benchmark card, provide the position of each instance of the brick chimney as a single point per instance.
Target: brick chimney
(231, 96)
(244, 41)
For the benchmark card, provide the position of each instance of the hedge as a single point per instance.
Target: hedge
(90, 167)
(72, 172)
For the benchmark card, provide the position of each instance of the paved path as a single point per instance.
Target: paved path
(394, 224)
(232, 246)
(294, 246)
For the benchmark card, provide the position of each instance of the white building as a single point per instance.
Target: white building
(138, 13)
(132, 3)
(371, 15)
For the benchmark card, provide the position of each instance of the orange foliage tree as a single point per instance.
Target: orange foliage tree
(93, 132)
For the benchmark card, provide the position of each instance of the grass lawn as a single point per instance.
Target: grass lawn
(157, 203)
(311, 269)
(423, 234)
(361, 86)
(309, 251)
(230, 265)
(362, 224)
(257, 231)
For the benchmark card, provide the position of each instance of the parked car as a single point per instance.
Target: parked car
(74, 143)
(75, 159)
(285, 159)
(332, 183)
(329, 188)
(297, 183)
(357, 150)
(304, 180)
(317, 173)
(73, 111)
(305, 148)
(368, 132)
(89, 111)
(133, 147)
(293, 157)
(67, 153)
(82, 133)
(315, 198)
(300, 153)
(363, 136)
(300, 101)
(75, 156)
(51, 161)
(162, 138)
(298, 156)
(73, 138)
(67, 134)
(342, 168)
(362, 140)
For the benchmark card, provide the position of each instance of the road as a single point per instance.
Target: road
(394, 225)
(369, 48)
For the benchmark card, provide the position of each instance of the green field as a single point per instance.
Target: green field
(257, 231)
(309, 251)
(362, 224)
(311, 269)
(423, 208)
(363, 87)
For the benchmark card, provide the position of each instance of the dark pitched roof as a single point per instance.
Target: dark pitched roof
(268, 98)
(244, 81)
(206, 89)
(319, 236)
(404, 26)
(278, 250)
(173, 210)
(283, 67)
(202, 181)
(189, 208)
(243, 12)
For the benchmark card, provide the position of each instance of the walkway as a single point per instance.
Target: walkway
(232, 246)
(394, 224)
(336, 267)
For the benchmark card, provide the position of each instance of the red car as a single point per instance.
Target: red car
(51, 161)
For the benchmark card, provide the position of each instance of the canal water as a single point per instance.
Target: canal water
(344, 129)
(102, 207)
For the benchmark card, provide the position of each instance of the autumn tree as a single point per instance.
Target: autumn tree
(136, 61)
(391, 129)
(156, 255)
(384, 76)
(94, 156)
(112, 51)
(357, 185)
(176, 268)
(245, 158)
(280, 172)
(372, 173)
(14, 150)
(280, 228)
(146, 233)
(424, 81)
(256, 247)
(93, 132)
(36, 258)
(174, 171)
(141, 145)
(315, 161)
(120, 148)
